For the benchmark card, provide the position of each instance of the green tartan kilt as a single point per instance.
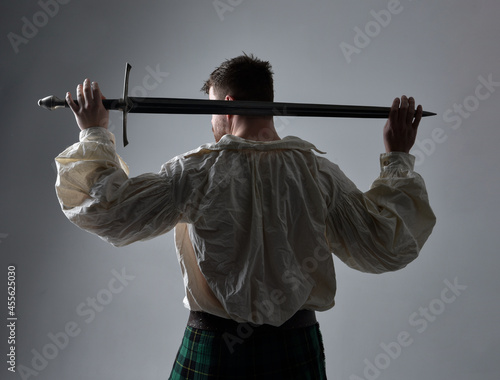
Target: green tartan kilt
(251, 353)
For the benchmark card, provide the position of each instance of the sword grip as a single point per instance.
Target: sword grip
(53, 102)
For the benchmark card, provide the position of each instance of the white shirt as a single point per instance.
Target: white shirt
(255, 222)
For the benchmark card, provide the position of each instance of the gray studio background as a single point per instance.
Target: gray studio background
(436, 319)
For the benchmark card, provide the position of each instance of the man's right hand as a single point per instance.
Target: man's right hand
(89, 112)
(400, 130)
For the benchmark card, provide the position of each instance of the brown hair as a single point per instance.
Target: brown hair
(244, 78)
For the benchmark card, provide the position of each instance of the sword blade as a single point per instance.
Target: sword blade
(251, 108)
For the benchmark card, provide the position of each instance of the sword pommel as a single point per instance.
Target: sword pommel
(52, 102)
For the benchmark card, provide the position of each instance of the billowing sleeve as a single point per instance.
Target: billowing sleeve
(384, 228)
(96, 194)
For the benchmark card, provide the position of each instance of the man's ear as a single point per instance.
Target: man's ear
(229, 117)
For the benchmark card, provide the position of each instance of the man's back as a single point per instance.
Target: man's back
(258, 213)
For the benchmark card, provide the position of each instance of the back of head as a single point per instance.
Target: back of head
(244, 78)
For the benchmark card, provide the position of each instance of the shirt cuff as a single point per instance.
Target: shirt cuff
(97, 134)
(397, 160)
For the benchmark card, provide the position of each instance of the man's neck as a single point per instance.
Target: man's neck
(255, 128)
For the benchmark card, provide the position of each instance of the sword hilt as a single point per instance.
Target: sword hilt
(53, 102)
(124, 104)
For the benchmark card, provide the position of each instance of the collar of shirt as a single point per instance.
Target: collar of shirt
(238, 143)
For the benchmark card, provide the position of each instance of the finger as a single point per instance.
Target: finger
(403, 111)
(393, 115)
(411, 111)
(418, 117)
(71, 103)
(100, 92)
(79, 96)
(87, 91)
(96, 92)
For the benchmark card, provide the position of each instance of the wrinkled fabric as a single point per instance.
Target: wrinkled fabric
(256, 223)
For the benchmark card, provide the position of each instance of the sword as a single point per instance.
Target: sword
(131, 104)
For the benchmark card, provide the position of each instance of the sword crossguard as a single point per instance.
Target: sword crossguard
(127, 104)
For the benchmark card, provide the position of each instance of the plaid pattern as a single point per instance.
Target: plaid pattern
(251, 354)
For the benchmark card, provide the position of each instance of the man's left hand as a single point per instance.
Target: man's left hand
(400, 131)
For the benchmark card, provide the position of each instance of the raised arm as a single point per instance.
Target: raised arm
(93, 186)
(384, 228)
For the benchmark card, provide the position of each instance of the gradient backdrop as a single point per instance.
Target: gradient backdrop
(87, 310)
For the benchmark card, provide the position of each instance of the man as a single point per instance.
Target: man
(256, 220)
